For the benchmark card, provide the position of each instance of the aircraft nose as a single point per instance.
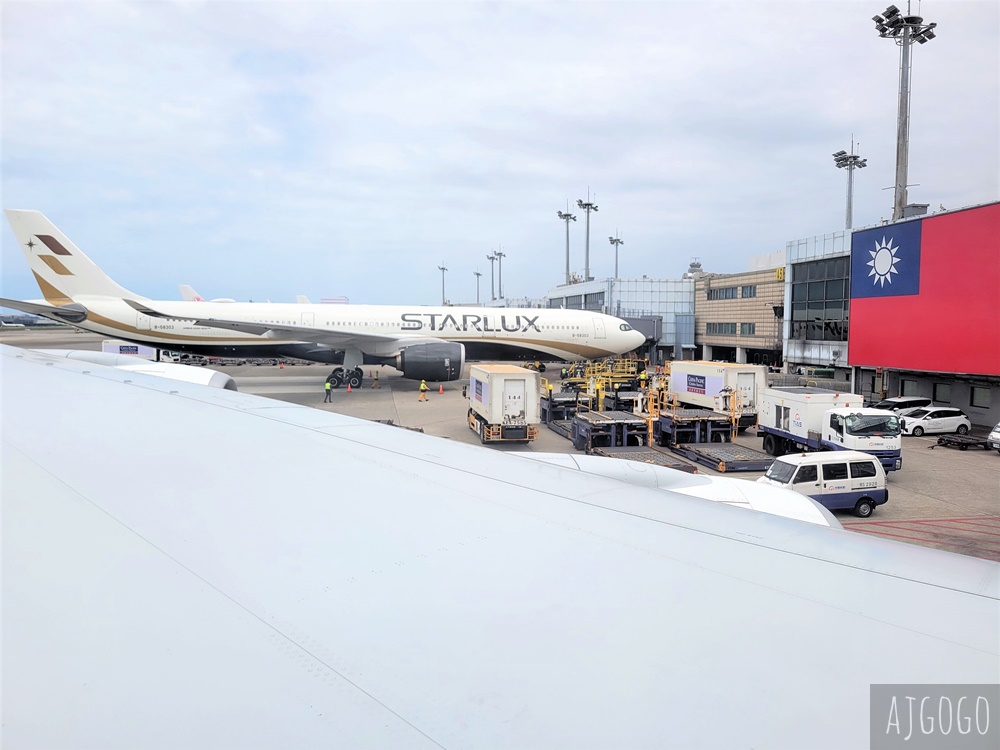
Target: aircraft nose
(636, 339)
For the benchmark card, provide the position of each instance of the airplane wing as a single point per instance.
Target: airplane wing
(283, 576)
(370, 342)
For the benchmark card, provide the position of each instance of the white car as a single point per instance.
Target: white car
(903, 405)
(937, 419)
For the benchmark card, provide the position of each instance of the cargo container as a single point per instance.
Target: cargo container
(503, 403)
(801, 418)
(114, 346)
(704, 385)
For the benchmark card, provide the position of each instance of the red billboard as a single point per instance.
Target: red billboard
(925, 294)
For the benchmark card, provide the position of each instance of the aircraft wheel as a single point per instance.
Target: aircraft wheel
(354, 379)
(336, 378)
(864, 508)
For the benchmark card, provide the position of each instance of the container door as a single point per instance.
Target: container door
(599, 328)
(513, 401)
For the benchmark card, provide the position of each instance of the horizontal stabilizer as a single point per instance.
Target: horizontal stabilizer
(71, 313)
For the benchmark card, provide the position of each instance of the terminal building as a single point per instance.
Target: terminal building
(898, 309)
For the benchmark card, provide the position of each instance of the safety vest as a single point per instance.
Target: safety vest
(328, 385)
(423, 386)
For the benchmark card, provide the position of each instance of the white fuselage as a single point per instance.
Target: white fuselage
(561, 334)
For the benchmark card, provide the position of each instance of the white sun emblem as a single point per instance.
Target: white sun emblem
(883, 262)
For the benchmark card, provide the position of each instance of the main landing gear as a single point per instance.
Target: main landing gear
(340, 377)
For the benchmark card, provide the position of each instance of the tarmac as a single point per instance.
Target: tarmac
(942, 497)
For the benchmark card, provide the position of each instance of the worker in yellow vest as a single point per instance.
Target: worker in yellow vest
(423, 391)
(642, 380)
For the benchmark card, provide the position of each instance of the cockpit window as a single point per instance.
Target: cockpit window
(625, 327)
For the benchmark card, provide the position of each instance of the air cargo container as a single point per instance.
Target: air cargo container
(798, 418)
(704, 385)
(504, 403)
(114, 346)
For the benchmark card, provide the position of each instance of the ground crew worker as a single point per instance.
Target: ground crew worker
(642, 380)
(423, 391)
(376, 384)
(329, 392)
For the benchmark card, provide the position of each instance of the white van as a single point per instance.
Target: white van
(835, 479)
(993, 441)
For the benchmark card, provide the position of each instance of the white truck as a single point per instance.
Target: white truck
(704, 384)
(801, 418)
(115, 346)
(504, 403)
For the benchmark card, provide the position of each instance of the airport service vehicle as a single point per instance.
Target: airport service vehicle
(700, 384)
(113, 346)
(903, 405)
(993, 441)
(503, 403)
(428, 343)
(837, 480)
(803, 418)
(936, 419)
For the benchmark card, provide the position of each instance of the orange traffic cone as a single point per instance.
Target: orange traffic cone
(281, 365)
(348, 387)
(441, 388)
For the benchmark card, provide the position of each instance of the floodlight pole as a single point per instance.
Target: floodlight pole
(850, 162)
(588, 207)
(905, 30)
(617, 243)
(477, 275)
(492, 258)
(442, 269)
(500, 256)
(567, 217)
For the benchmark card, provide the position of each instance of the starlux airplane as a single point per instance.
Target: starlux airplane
(422, 342)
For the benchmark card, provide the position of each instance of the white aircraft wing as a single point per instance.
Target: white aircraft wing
(336, 338)
(195, 567)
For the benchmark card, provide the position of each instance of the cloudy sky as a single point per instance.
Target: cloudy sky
(259, 150)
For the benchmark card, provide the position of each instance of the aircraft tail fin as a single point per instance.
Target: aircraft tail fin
(188, 294)
(62, 270)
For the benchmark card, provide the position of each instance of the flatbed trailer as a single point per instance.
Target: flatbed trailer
(558, 406)
(608, 429)
(724, 457)
(562, 427)
(646, 456)
(691, 426)
(962, 442)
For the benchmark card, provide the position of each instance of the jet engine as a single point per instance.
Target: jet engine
(440, 360)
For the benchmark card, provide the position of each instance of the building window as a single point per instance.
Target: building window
(720, 329)
(907, 387)
(748, 329)
(942, 393)
(726, 292)
(820, 300)
(748, 291)
(593, 301)
(980, 397)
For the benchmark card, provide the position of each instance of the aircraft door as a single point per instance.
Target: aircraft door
(599, 332)
(142, 322)
(308, 319)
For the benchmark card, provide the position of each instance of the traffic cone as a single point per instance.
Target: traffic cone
(441, 388)
(348, 387)
(281, 365)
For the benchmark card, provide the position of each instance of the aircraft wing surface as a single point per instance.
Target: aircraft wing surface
(336, 338)
(282, 576)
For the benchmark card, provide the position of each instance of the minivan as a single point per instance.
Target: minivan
(903, 405)
(838, 480)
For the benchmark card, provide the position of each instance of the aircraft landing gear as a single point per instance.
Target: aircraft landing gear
(336, 378)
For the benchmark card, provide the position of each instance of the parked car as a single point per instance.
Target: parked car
(993, 441)
(848, 480)
(903, 405)
(937, 419)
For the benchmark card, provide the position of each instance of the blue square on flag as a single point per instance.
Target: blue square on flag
(885, 261)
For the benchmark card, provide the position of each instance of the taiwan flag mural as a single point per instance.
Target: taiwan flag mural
(925, 294)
